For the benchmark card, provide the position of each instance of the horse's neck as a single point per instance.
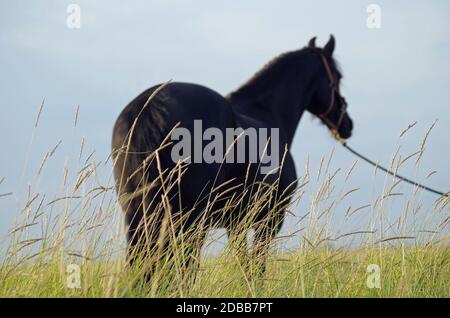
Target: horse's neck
(281, 107)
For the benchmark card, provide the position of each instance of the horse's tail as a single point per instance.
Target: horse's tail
(137, 135)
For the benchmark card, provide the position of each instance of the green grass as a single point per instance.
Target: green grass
(404, 272)
(81, 225)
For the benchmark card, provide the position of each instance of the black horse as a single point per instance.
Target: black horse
(163, 198)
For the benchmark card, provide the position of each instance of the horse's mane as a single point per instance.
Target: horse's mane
(271, 70)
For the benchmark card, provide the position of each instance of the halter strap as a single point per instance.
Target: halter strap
(334, 90)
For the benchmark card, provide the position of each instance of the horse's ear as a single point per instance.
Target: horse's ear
(329, 47)
(312, 42)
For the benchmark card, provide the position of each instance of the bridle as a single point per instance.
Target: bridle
(334, 91)
(334, 129)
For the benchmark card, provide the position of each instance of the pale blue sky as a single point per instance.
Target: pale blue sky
(394, 76)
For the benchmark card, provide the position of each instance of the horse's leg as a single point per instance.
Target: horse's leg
(143, 237)
(237, 245)
(267, 228)
(136, 241)
(148, 220)
(191, 253)
(260, 249)
(143, 213)
(265, 232)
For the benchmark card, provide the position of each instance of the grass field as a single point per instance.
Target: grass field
(72, 245)
(404, 272)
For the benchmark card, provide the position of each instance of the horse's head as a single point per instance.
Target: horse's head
(327, 102)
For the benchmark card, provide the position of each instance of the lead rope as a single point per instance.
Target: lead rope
(343, 143)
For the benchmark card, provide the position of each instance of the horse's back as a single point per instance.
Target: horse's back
(197, 101)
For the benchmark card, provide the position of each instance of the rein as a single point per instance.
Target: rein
(394, 174)
(335, 127)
